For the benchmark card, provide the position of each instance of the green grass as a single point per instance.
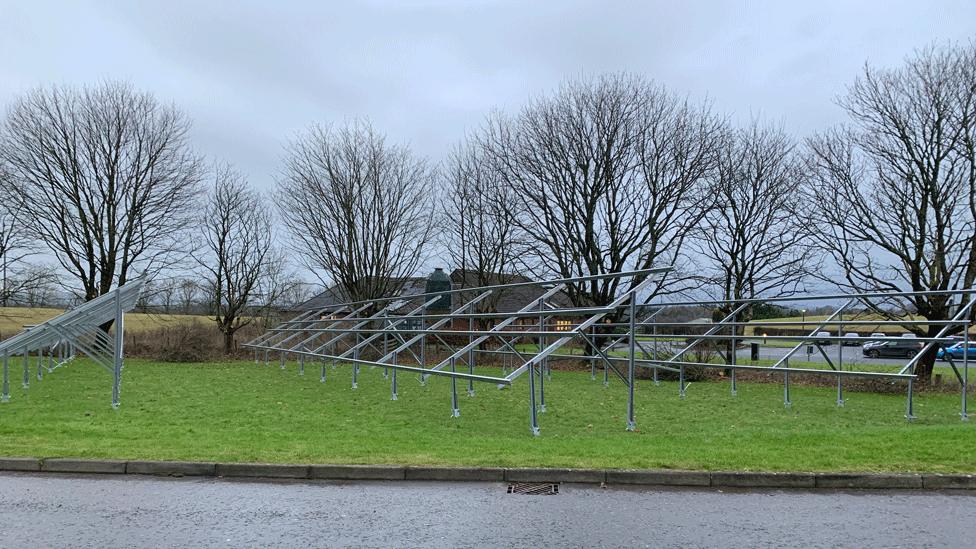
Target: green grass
(247, 412)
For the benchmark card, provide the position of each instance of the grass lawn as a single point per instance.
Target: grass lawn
(242, 411)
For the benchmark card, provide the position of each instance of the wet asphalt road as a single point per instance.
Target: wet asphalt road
(87, 511)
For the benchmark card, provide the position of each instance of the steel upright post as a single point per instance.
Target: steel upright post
(301, 360)
(355, 364)
(393, 378)
(632, 340)
(5, 393)
(732, 355)
(50, 360)
(840, 359)
(282, 356)
(40, 364)
(965, 371)
(386, 347)
(786, 389)
(455, 410)
(592, 351)
(654, 372)
(26, 368)
(533, 418)
(266, 357)
(423, 339)
(470, 357)
(117, 351)
(542, 363)
(681, 380)
(909, 408)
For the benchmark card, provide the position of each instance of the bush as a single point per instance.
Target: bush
(184, 342)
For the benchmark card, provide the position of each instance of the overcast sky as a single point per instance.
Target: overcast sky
(252, 74)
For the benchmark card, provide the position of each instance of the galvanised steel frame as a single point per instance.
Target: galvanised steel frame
(619, 337)
(56, 342)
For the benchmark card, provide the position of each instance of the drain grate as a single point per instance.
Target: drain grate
(533, 488)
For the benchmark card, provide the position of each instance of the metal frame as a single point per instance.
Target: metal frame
(609, 349)
(79, 329)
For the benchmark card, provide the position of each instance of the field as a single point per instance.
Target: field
(13, 319)
(241, 411)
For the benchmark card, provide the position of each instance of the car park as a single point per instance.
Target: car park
(892, 349)
(956, 351)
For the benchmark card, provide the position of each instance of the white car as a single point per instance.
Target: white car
(854, 339)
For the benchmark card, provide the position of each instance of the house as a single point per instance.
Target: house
(508, 300)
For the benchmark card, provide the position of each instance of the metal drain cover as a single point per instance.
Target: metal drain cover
(533, 488)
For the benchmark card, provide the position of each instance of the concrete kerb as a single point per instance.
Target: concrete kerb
(67, 465)
(172, 468)
(869, 480)
(664, 477)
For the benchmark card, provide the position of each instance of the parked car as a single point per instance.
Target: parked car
(853, 340)
(878, 335)
(908, 335)
(892, 349)
(825, 340)
(956, 351)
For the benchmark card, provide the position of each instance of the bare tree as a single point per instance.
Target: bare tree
(188, 294)
(610, 175)
(480, 234)
(15, 247)
(756, 240)
(895, 188)
(38, 286)
(103, 176)
(359, 208)
(239, 255)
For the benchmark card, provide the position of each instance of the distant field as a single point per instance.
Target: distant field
(13, 319)
(810, 322)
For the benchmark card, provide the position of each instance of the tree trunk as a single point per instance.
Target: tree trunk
(228, 341)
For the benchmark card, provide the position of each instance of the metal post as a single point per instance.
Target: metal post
(786, 389)
(533, 419)
(393, 378)
(301, 361)
(266, 357)
(255, 356)
(965, 371)
(470, 357)
(117, 351)
(909, 409)
(423, 339)
(455, 410)
(654, 372)
(632, 340)
(592, 350)
(386, 346)
(26, 368)
(542, 363)
(40, 363)
(840, 359)
(50, 360)
(355, 365)
(282, 355)
(5, 394)
(732, 355)
(681, 381)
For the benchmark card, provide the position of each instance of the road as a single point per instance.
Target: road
(852, 356)
(85, 511)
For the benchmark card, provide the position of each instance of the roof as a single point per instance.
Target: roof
(510, 299)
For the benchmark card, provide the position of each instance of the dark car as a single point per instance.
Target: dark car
(903, 348)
